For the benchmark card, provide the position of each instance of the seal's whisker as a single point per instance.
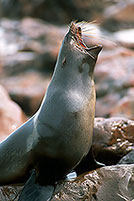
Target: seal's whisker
(84, 23)
(89, 33)
(88, 27)
(88, 30)
(92, 32)
(89, 36)
(100, 37)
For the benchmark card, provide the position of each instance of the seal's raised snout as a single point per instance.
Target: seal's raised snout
(75, 38)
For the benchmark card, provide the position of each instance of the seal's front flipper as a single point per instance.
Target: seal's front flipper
(34, 192)
(88, 163)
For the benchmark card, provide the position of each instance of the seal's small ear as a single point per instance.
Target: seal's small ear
(94, 51)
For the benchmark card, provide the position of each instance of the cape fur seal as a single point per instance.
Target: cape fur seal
(59, 135)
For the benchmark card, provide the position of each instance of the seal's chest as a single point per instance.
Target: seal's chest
(77, 132)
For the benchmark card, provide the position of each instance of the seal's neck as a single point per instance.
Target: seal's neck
(72, 70)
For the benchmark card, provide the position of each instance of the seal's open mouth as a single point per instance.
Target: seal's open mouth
(77, 41)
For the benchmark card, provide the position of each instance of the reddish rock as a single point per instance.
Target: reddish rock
(112, 139)
(105, 104)
(114, 77)
(116, 104)
(122, 11)
(11, 115)
(27, 89)
(113, 183)
(119, 16)
(24, 48)
(124, 107)
(115, 70)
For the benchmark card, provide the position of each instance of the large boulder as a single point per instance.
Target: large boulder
(112, 139)
(115, 83)
(27, 89)
(28, 44)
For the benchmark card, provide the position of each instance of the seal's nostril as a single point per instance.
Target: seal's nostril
(79, 29)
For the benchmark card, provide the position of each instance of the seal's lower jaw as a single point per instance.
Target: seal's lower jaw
(77, 42)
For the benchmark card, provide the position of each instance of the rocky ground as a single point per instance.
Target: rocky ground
(30, 37)
(112, 183)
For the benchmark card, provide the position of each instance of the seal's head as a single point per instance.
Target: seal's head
(75, 54)
(74, 37)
